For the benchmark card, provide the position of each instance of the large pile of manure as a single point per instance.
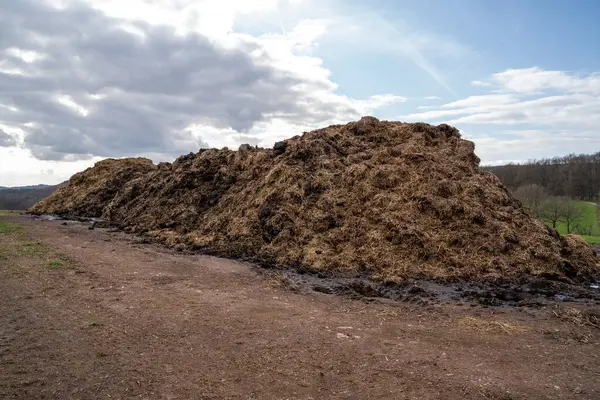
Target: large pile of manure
(388, 200)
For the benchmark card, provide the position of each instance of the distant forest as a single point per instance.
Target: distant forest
(23, 198)
(573, 176)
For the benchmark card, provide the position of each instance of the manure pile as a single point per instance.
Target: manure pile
(388, 200)
(87, 192)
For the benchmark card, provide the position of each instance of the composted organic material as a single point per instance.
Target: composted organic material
(88, 192)
(388, 200)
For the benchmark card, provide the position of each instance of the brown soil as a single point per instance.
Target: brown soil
(387, 200)
(98, 315)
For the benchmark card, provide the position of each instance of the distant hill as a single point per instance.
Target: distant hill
(41, 186)
(24, 197)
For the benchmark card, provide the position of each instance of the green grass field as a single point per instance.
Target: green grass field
(7, 227)
(10, 213)
(591, 239)
(588, 218)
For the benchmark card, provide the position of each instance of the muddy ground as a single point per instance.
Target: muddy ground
(94, 314)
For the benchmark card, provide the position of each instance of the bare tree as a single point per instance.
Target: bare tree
(552, 210)
(572, 215)
(574, 176)
(586, 229)
(532, 196)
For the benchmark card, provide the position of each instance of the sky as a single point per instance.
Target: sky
(82, 80)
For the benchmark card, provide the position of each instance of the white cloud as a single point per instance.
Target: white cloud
(214, 18)
(12, 172)
(543, 125)
(480, 83)
(527, 144)
(26, 56)
(68, 102)
(574, 110)
(532, 80)
(469, 105)
(7, 140)
(575, 104)
(378, 101)
(433, 98)
(96, 78)
(482, 101)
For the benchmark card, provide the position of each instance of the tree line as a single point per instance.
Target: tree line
(575, 176)
(23, 198)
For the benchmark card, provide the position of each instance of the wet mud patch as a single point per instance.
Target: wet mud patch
(529, 292)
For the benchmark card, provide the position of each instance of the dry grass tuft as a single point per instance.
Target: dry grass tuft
(276, 279)
(481, 325)
(577, 316)
(389, 200)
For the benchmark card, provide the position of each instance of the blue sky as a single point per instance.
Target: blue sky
(496, 35)
(158, 78)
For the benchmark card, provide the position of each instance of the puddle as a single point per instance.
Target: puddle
(67, 221)
(49, 217)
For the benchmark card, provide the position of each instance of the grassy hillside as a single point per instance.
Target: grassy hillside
(589, 218)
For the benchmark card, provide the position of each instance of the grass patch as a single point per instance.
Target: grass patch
(4, 253)
(55, 264)
(31, 248)
(21, 254)
(589, 218)
(591, 239)
(7, 227)
(16, 249)
(10, 213)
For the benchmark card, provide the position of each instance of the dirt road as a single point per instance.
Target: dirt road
(99, 315)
